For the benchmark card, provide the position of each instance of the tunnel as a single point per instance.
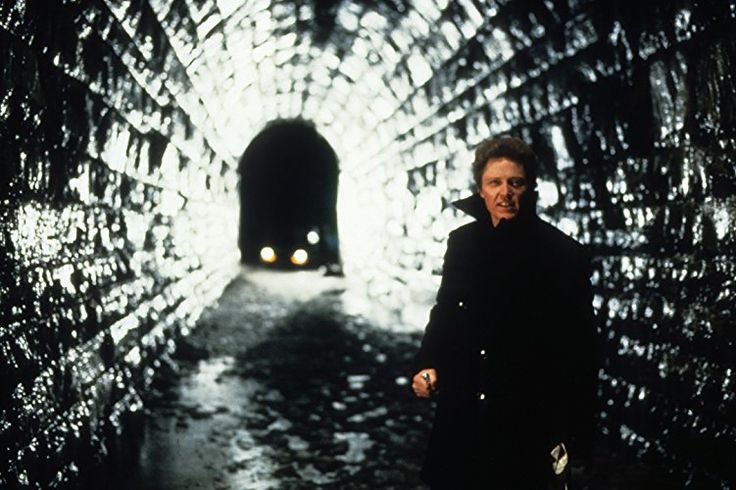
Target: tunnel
(288, 198)
(126, 129)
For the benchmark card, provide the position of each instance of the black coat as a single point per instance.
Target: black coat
(513, 342)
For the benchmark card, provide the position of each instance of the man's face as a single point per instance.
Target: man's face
(503, 182)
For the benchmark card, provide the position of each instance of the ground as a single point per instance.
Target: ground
(278, 387)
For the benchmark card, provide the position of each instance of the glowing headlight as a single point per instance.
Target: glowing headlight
(313, 237)
(299, 257)
(268, 255)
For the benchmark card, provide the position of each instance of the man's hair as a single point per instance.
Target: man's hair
(510, 148)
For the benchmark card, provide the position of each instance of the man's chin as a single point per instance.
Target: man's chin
(508, 215)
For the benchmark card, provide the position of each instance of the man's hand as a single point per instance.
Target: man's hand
(560, 458)
(424, 383)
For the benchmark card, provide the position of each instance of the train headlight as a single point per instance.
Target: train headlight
(268, 255)
(299, 257)
(313, 237)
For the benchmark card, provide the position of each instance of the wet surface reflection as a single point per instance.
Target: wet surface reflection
(278, 387)
(121, 123)
(271, 392)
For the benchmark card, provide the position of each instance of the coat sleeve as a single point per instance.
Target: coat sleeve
(430, 354)
(584, 360)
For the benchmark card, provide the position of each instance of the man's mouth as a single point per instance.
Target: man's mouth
(506, 205)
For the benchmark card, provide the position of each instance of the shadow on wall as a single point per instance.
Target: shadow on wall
(288, 196)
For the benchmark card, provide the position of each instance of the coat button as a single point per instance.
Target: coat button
(481, 396)
(460, 304)
(483, 354)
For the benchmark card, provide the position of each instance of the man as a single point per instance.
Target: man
(509, 350)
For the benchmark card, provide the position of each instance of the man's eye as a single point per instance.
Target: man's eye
(518, 182)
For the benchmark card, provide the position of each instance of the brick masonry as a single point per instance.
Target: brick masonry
(120, 128)
(118, 225)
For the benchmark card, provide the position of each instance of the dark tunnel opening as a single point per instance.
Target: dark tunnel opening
(288, 196)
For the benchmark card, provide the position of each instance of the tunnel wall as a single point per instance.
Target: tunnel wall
(118, 224)
(631, 110)
(118, 178)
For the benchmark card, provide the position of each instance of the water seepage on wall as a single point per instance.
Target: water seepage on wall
(118, 209)
(121, 124)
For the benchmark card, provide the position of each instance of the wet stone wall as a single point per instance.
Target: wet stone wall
(121, 123)
(118, 224)
(631, 108)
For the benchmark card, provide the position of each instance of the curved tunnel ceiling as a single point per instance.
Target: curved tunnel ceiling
(378, 79)
(347, 66)
(128, 119)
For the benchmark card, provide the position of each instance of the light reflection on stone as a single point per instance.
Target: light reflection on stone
(632, 114)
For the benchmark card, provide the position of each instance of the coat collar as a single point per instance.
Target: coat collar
(473, 206)
(476, 207)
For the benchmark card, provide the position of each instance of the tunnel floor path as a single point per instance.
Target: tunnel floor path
(279, 388)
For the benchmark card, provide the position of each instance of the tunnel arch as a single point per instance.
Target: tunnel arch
(124, 124)
(288, 194)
